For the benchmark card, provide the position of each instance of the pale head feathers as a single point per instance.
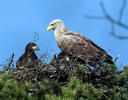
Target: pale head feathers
(58, 24)
(59, 29)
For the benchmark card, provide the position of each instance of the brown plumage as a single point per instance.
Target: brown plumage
(29, 57)
(77, 45)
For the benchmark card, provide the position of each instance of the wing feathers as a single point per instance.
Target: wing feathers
(77, 45)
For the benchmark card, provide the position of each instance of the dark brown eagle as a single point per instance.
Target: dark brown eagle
(29, 57)
(77, 45)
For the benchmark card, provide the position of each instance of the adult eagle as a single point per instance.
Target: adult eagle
(77, 45)
(29, 57)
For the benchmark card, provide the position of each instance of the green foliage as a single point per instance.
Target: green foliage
(117, 93)
(77, 90)
(80, 86)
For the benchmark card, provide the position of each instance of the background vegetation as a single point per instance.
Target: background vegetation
(65, 82)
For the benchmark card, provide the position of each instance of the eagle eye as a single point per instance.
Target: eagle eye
(52, 25)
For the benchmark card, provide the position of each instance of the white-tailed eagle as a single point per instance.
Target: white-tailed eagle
(77, 45)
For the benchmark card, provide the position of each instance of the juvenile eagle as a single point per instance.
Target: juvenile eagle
(77, 45)
(29, 56)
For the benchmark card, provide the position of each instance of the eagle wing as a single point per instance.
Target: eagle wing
(78, 45)
(25, 60)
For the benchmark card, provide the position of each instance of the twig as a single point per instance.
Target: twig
(116, 58)
(36, 37)
(122, 10)
(111, 20)
(10, 61)
(95, 17)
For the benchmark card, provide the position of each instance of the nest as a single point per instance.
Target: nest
(57, 69)
(61, 69)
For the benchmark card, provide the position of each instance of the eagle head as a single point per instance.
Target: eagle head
(56, 24)
(31, 47)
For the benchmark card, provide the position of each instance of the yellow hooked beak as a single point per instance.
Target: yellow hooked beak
(49, 28)
(35, 48)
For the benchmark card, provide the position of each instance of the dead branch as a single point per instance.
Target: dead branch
(112, 21)
(36, 37)
(116, 58)
(10, 62)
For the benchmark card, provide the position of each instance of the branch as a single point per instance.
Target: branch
(8, 67)
(111, 20)
(116, 58)
(122, 10)
(94, 17)
(36, 37)
(11, 60)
